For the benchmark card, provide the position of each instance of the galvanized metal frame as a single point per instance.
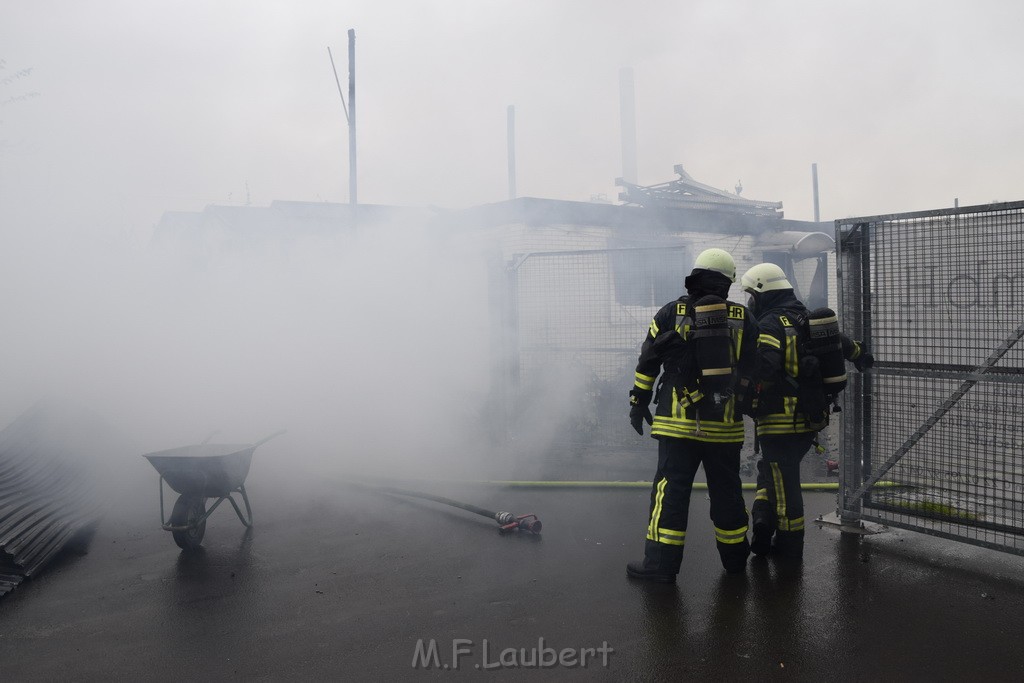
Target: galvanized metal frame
(995, 370)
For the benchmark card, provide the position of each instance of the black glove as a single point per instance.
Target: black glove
(864, 361)
(639, 400)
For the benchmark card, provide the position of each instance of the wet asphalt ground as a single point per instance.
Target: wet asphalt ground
(339, 583)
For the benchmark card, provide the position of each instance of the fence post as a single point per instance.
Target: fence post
(849, 282)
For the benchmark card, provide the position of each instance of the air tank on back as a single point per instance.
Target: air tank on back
(825, 343)
(713, 346)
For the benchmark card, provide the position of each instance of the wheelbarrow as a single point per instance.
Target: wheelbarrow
(198, 473)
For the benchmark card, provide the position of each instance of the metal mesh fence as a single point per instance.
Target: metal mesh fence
(933, 438)
(579, 319)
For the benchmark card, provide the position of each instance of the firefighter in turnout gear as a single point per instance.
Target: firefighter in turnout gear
(703, 345)
(795, 382)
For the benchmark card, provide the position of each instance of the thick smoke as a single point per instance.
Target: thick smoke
(369, 346)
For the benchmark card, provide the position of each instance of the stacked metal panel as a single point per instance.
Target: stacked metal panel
(8, 580)
(48, 494)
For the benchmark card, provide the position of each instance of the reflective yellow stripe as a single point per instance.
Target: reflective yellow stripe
(653, 329)
(856, 351)
(711, 432)
(780, 493)
(784, 523)
(671, 537)
(769, 340)
(685, 401)
(643, 381)
(792, 367)
(791, 524)
(783, 423)
(775, 419)
(777, 430)
(652, 528)
(730, 536)
(762, 494)
(705, 425)
(693, 436)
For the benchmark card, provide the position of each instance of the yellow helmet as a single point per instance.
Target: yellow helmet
(764, 277)
(717, 260)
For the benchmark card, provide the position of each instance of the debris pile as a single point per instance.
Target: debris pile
(49, 492)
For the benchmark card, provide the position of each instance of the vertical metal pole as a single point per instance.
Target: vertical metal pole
(498, 297)
(352, 197)
(849, 452)
(512, 322)
(511, 151)
(849, 274)
(627, 116)
(814, 182)
(865, 331)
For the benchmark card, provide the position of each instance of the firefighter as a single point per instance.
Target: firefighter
(786, 411)
(702, 344)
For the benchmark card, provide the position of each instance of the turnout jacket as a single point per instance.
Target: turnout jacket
(778, 363)
(683, 411)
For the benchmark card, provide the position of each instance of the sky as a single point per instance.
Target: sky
(113, 112)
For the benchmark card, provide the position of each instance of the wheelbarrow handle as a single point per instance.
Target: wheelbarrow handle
(268, 438)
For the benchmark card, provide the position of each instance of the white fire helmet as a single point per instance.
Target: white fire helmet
(764, 277)
(717, 260)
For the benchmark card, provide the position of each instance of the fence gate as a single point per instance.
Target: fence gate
(933, 437)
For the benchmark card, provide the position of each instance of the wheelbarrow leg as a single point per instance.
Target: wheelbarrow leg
(247, 518)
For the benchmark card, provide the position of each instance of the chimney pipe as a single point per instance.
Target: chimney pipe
(627, 120)
(511, 151)
(352, 117)
(814, 182)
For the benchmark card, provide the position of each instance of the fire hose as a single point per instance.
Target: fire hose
(697, 485)
(507, 521)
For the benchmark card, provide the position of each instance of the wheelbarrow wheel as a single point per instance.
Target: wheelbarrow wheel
(188, 510)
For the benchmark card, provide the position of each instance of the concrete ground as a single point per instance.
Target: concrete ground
(341, 583)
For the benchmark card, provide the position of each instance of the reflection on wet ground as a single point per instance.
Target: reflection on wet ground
(347, 583)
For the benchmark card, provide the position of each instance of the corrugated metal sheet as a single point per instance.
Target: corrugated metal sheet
(9, 582)
(48, 491)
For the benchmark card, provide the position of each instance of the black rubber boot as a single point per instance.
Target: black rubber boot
(734, 558)
(762, 520)
(788, 544)
(761, 533)
(660, 564)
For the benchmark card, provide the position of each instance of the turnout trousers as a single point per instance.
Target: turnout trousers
(678, 460)
(778, 508)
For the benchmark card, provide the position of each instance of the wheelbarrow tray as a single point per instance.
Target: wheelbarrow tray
(204, 470)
